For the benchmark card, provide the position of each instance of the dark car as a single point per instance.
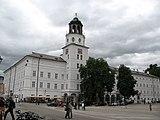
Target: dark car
(53, 103)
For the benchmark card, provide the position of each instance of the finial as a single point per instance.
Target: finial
(75, 14)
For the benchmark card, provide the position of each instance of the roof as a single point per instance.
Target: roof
(136, 73)
(44, 56)
(38, 55)
(144, 74)
(76, 21)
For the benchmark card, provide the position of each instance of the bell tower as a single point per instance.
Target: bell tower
(75, 53)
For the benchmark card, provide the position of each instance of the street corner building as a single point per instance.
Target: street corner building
(45, 76)
(41, 75)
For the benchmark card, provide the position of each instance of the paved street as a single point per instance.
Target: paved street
(132, 112)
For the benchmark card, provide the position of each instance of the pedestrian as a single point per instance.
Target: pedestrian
(70, 109)
(67, 110)
(2, 104)
(83, 106)
(150, 106)
(38, 101)
(11, 106)
(58, 103)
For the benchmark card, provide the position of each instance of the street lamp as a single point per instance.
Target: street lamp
(0, 59)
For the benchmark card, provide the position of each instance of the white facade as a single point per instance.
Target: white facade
(44, 75)
(148, 87)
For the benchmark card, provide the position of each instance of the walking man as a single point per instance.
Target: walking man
(11, 106)
(67, 110)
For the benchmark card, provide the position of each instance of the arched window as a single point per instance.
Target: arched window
(78, 29)
(74, 29)
(73, 39)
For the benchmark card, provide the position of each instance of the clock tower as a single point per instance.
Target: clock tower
(75, 53)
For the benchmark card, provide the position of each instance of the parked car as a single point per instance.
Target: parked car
(53, 103)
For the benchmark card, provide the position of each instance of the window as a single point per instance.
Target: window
(62, 86)
(41, 74)
(55, 86)
(77, 76)
(34, 73)
(33, 84)
(48, 85)
(67, 76)
(79, 40)
(73, 39)
(62, 76)
(77, 65)
(67, 40)
(41, 85)
(79, 51)
(49, 75)
(56, 75)
(66, 86)
(77, 56)
(81, 57)
(68, 56)
(77, 86)
(66, 51)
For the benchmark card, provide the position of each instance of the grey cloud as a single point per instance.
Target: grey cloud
(108, 33)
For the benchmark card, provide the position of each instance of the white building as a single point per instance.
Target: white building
(44, 75)
(148, 87)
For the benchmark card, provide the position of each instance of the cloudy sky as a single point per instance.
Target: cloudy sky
(120, 31)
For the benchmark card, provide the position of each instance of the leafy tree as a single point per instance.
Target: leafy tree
(154, 70)
(96, 78)
(126, 82)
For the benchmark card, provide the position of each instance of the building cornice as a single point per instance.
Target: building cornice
(75, 45)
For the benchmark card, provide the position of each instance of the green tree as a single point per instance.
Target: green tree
(154, 70)
(126, 82)
(96, 78)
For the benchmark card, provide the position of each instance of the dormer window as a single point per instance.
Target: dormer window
(79, 40)
(73, 39)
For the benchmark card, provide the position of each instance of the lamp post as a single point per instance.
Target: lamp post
(0, 59)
